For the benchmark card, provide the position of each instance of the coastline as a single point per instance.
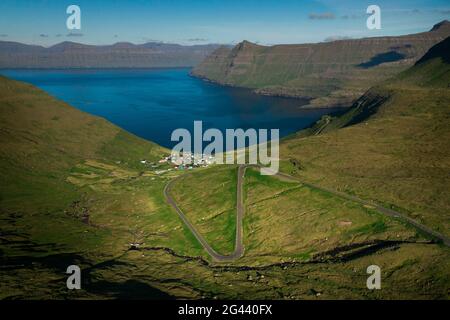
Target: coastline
(312, 102)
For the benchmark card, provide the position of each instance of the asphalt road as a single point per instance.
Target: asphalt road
(240, 211)
(389, 212)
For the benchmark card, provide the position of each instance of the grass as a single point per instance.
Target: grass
(399, 157)
(53, 156)
(371, 228)
(306, 220)
(392, 146)
(208, 199)
(384, 158)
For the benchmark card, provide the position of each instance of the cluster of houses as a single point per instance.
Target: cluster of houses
(188, 160)
(183, 161)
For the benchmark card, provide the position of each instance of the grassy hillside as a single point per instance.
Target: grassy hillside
(74, 191)
(391, 146)
(307, 224)
(331, 73)
(304, 243)
(43, 137)
(432, 70)
(209, 200)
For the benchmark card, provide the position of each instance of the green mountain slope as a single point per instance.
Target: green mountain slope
(391, 146)
(331, 73)
(74, 191)
(35, 125)
(45, 137)
(433, 69)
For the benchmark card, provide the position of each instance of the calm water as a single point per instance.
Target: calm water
(151, 103)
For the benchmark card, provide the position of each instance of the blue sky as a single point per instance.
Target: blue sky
(213, 21)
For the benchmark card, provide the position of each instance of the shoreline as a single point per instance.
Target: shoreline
(310, 100)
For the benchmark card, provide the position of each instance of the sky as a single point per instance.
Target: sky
(190, 22)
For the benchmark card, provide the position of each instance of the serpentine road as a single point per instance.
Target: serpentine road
(239, 246)
(240, 211)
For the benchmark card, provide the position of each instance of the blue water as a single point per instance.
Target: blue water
(151, 103)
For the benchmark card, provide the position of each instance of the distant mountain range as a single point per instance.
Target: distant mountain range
(120, 55)
(331, 73)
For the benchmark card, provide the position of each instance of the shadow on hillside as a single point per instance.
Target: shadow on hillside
(130, 289)
(378, 59)
(441, 50)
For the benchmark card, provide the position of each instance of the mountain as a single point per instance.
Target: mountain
(120, 55)
(42, 137)
(390, 146)
(433, 69)
(331, 73)
(75, 189)
(47, 126)
(74, 192)
(390, 149)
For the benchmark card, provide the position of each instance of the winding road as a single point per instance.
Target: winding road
(240, 211)
(386, 211)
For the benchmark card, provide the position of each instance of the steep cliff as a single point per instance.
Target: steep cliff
(119, 55)
(332, 72)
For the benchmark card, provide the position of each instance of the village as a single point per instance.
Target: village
(183, 161)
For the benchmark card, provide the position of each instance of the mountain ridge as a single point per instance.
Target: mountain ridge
(74, 191)
(51, 128)
(69, 54)
(391, 145)
(330, 73)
